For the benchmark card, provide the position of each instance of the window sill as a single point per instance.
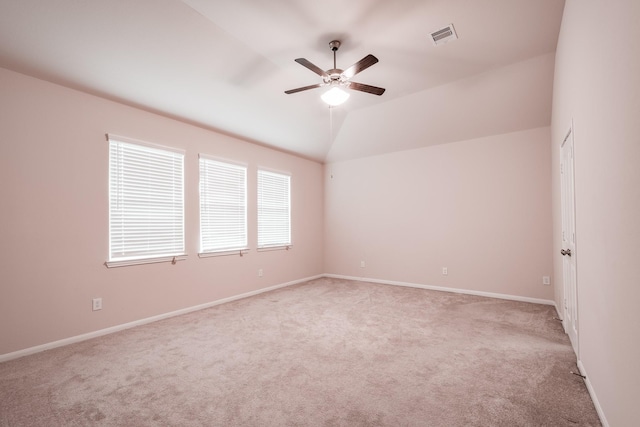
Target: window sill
(240, 252)
(275, 248)
(129, 262)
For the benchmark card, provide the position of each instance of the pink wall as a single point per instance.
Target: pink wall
(53, 169)
(597, 86)
(481, 208)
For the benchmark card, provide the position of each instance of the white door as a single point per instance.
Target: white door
(570, 317)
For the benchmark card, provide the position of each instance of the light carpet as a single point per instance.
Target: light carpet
(324, 353)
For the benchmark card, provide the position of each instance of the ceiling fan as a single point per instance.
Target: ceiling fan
(338, 78)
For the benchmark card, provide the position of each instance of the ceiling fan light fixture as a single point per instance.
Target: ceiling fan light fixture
(335, 96)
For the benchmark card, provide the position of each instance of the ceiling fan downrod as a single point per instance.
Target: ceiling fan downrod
(334, 45)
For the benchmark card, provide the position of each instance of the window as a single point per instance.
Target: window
(146, 202)
(274, 211)
(223, 206)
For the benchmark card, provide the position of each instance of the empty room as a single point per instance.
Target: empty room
(292, 213)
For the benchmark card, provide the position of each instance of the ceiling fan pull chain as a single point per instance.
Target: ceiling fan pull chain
(330, 126)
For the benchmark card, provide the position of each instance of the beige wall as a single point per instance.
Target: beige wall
(53, 169)
(481, 208)
(597, 85)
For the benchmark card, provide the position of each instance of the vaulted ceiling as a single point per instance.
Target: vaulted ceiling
(225, 65)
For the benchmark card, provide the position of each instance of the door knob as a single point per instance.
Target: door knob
(567, 252)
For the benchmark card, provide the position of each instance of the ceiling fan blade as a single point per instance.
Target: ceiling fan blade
(300, 89)
(359, 66)
(366, 88)
(312, 67)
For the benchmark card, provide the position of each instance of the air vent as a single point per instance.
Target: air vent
(444, 35)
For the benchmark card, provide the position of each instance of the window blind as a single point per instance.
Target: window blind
(223, 206)
(146, 201)
(274, 211)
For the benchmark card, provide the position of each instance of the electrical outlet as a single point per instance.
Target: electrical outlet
(97, 304)
(445, 271)
(546, 280)
(362, 264)
(259, 272)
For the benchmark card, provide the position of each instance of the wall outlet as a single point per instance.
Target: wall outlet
(97, 304)
(546, 280)
(362, 264)
(259, 272)
(445, 271)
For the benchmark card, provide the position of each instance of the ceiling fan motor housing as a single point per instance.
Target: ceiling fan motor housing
(335, 76)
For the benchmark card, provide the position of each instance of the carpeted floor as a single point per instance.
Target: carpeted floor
(324, 353)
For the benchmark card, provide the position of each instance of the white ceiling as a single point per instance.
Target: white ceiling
(225, 65)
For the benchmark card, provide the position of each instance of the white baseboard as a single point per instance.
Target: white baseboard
(117, 328)
(558, 312)
(444, 289)
(592, 393)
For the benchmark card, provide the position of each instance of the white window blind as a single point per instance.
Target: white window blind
(223, 206)
(274, 210)
(146, 201)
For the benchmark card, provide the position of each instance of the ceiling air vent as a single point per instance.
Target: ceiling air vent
(444, 35)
